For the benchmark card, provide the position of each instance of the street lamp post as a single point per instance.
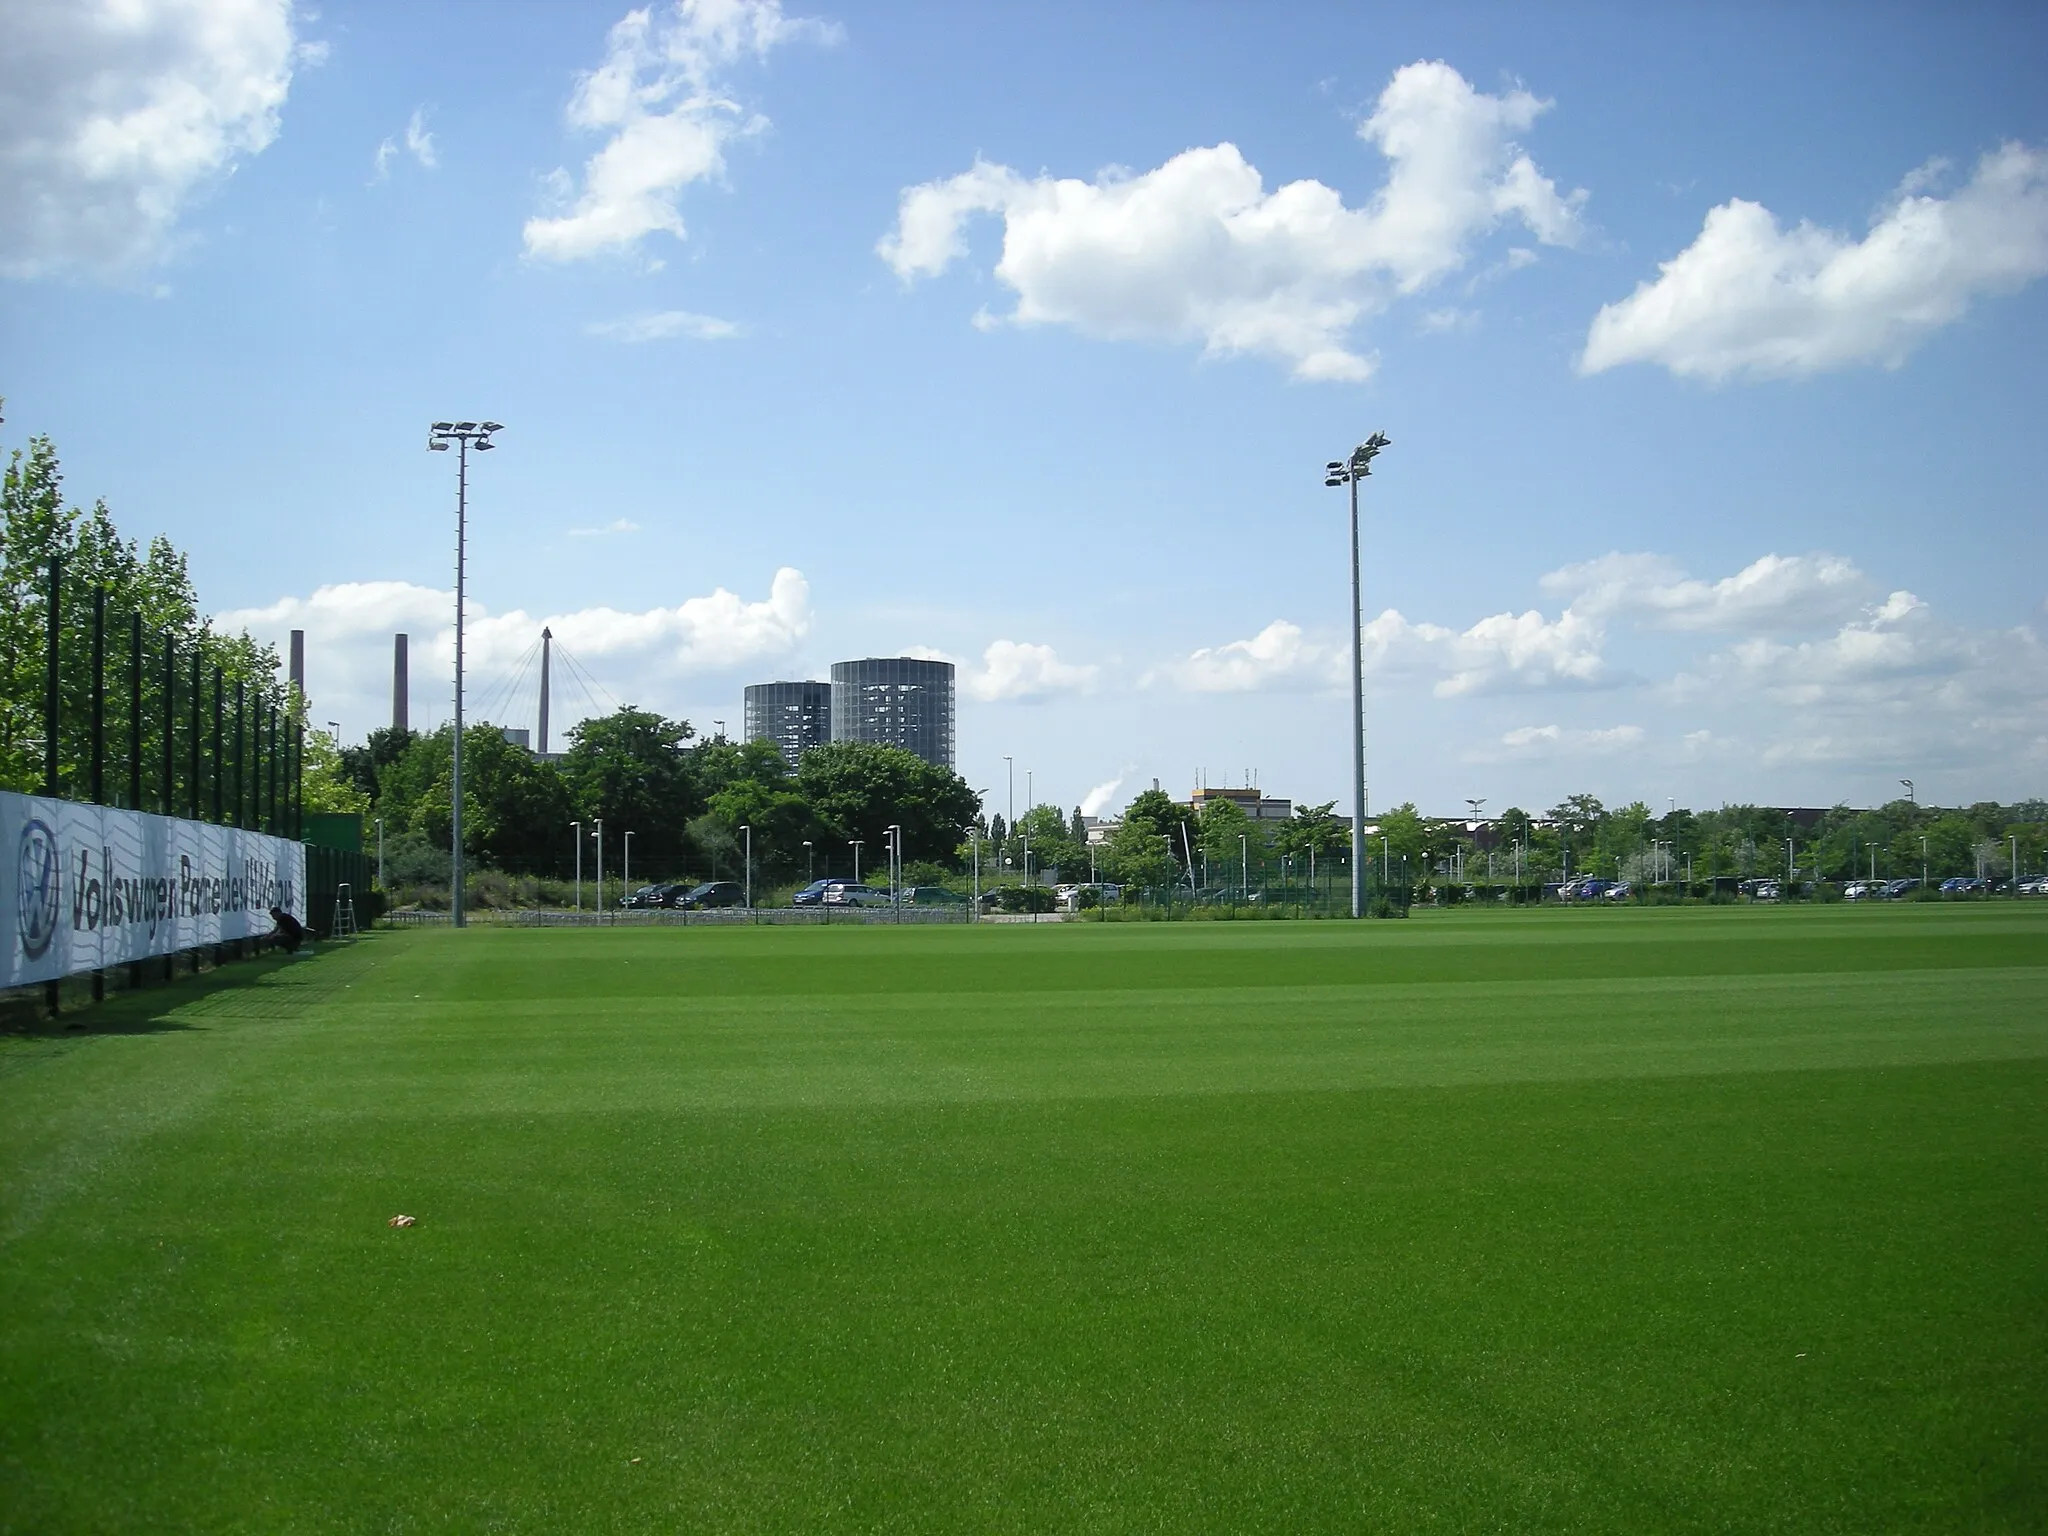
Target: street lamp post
(896, 868)
(579, 866)
(749, 865)
(810, 863)
(1010, 763)
(1910, 796)
(626, 868)
(855, 845)
(1348, 472)
(974, 842)
(598, 824)
(465, 435)
(1244, 867)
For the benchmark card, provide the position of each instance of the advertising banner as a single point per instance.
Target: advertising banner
(92, 886)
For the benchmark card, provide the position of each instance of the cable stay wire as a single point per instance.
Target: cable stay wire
(505, 691)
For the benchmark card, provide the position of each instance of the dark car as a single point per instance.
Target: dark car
(934, 896)
(712, 893)
(649, 896)
(811, 894)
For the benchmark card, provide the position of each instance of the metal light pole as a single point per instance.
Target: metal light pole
(1244, 867)
(748, 866)
(598, 823)
(1011, 764)
(380, 847)
(855, 846)
(1923, 863)
(810, 862)
(1910, 797)
(974, 842)
(464, 434)
(579, 866)
(1348, 472)
(626, 869)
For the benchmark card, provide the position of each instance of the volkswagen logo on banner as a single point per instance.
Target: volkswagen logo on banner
(37, 908)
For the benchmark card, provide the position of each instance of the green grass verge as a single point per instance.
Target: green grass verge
(1605, 1221)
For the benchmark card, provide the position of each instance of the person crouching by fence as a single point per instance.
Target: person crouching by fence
(290, 933)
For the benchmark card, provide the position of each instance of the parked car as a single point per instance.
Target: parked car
(1767, 890)
(811, 894)
(2033, 885)
(1898, 890)
(1863, 890)
(712, 893)
(1074, 898)
(844, 893)
(650, 896)
(1619, 891)
(933, 896)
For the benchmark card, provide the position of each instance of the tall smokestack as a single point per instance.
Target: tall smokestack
(401, 686)
(547, 642)
(298, 665)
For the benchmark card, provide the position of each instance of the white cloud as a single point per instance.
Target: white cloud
(662, 98)
(666, 323)
(1197, 249)
(417, 142)
(1530, 742)
(1278, 657)
(115, 113)
(1101, 797)
(1013, 670)
(1897, 685)
(1748, 298)
(616, 525)
(637, 657)
(1774, 592)
(1503, 653)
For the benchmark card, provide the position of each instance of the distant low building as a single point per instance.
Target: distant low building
(1256, 805)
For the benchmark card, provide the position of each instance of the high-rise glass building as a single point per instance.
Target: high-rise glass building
(898, 701)
(795, 716)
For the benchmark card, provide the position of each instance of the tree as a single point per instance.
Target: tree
(1173, 821)
(631, 770)
(857, 789)
(1314, 827)
(1052, 844)
(1136, 854)
(1222, 823)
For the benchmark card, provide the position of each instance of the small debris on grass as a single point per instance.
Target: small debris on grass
(634, 1462)
(402, 1221)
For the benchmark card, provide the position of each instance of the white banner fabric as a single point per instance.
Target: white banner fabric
(94, 886)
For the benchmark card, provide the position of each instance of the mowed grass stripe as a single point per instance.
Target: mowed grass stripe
(996, 960)
(1684, 1251)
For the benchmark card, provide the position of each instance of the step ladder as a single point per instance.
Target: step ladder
(344, 913)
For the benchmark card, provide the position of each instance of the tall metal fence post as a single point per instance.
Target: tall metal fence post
(99, 695)
(135, 710)
(219, 763)
(192, 776)
(53, 718)
(170, 795)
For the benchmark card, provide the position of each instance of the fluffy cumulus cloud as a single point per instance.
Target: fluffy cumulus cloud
(1773, 593)
(633, 657)
(1503, 653)
(114, 114)
(1197, 249)
(1749, 298)
(1016, 670)
(663, 100)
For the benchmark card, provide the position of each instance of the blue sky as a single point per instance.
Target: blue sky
(1711, 342)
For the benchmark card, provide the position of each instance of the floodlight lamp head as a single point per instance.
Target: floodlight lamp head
(494, 426)
(438, 444)
(484, 443)
(465, 426)
(1334, 465)
(444, 426)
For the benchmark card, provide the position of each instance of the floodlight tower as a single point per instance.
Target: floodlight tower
(1349, 472)
(465, 435)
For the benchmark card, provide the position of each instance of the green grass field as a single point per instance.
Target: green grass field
(1606, 1221)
